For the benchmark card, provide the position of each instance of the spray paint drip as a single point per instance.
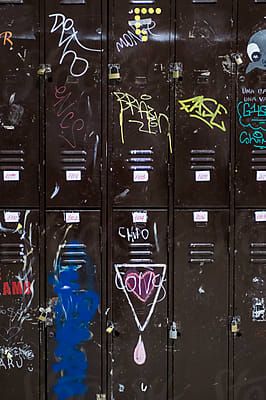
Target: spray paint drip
(140, 352)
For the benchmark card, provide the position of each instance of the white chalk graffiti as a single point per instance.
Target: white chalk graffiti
(143, 285)
(16, 356)
(69, 35)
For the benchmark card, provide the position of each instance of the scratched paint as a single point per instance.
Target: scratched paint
(74, 310)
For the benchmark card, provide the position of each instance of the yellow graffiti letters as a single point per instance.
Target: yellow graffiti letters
(6, 36)
(144, 115)
(206, 109)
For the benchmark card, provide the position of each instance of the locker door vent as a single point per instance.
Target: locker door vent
(12, 253)
(201, 253)
(202, 160)
(141, 252)
(258, 160)
(140, 160)
(258, 253)
(12, 160)
(73, 160)
(73, 254)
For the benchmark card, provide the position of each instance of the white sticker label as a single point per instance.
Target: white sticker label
(140, 216)
(200, 216)
(11, 216)
(261, 176)
(202, 176)
(140, 176)
(71, 217)
(11, 175)
(73, 175)
(260, 216)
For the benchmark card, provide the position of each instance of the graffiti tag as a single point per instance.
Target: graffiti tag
(252, 117)
(206, 109)
(146, 117)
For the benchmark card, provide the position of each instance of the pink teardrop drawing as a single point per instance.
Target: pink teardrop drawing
(140, 352)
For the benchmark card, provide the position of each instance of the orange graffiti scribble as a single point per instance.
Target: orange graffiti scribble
(7, 37)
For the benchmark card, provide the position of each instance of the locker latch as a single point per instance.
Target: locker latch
(235, 325)
(174, 330)
(114, 72)
(46, 316)
(238, 59)
(110, 327)
(44, 69)
(176, 70)
(100, 396)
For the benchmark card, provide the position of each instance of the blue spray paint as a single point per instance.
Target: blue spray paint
(75, 309)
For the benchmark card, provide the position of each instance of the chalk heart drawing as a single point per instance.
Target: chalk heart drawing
(141, 284)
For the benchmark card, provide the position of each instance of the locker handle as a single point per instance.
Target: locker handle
(72, 2)
(204, 1)
(11, 1)
(260, 1)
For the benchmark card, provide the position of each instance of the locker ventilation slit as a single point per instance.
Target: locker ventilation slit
(258, 160)
(258, 253)
(201, 253)
(73, 254)
(12, 160)
(202, 160)
(140, 160)
(12, 253)
(73, 160)
(141, 253)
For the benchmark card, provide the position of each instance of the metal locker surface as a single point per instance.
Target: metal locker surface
(138, 75)
(138, 314)
(19, 104)
(73, 103)
(250, 107)
(72, 315)
(203, 106)
(250, 305)
(201, 304)
(19, 309)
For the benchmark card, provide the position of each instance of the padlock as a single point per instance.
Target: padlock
(177, 71)
(173, 331)
(110, 327)
(43, 315)
(114, 72)
(238, 59)
(235, 328)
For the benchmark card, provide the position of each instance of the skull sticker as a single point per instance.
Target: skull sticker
(257, 51)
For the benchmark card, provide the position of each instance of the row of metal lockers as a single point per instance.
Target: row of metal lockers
(148, 94)
(132, 199)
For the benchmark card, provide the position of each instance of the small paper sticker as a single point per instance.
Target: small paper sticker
(11, 216)
(200, 216)
(140, 216)
(260, 216)
(140, 176)
(261, 176)
(72, 217)
(202, 176)
(73, 175)
(11, 175)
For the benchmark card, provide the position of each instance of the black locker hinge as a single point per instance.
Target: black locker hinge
(170, 176)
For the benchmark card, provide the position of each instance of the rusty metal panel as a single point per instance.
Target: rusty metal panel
(73, 103)
(139, 121)
(203, 91)
(72, 315)
(250, 305)
(251, 111)
(19, 104)
(138, 315)
(201, 304)
(19, 291)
